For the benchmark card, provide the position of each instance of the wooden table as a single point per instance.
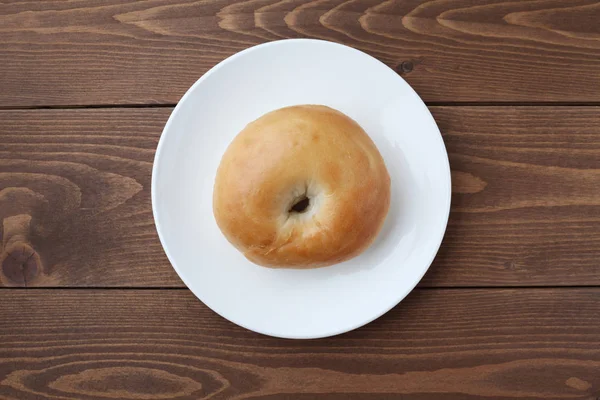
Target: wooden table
(91, 309)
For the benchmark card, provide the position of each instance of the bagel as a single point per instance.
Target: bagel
(301, 187)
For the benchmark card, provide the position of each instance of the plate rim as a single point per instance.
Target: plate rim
(155, 213)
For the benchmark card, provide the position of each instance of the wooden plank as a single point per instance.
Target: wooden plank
(82, 177)
(526, 204)
(442, 344)
(526, 198)
(118, 52)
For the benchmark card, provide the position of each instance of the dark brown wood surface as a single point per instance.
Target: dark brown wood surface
(525, 207)
(140, 52)
(83, 178)
(164, 344)
(91, 309)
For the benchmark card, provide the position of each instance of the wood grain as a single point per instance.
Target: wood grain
(82, 180)
(75, 198)
(526, 197)
(442, 344)
(120, 52)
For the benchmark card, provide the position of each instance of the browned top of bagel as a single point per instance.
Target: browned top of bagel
(301, 187)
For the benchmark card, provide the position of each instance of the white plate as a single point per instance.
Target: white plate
(300, 303)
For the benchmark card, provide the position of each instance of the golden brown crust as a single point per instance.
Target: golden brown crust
(312, 151)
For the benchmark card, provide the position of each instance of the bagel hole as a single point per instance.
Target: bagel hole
(300, 206)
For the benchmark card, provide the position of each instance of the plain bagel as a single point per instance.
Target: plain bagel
(301, 187)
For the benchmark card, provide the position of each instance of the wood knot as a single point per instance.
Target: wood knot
(511, 266)
(405, 67)
(20, 263)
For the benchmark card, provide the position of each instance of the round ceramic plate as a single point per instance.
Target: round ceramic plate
(300, 303)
